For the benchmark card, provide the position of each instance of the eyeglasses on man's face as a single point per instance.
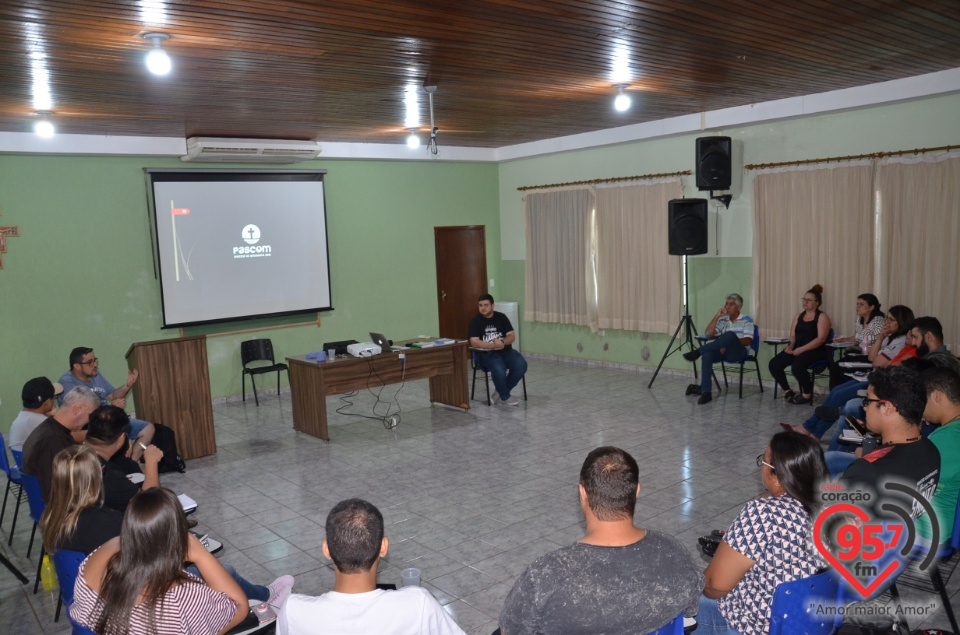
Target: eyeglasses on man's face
(761, 463)
(868, 400)
(90, 362)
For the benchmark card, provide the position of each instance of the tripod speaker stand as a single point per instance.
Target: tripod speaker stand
(686, 324)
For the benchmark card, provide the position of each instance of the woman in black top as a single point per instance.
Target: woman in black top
(808, 336)
(75, 519)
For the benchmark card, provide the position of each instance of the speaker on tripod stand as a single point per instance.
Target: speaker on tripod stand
(687, 236)
(687, 222)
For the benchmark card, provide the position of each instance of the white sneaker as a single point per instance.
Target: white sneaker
(495, 399)
(280, 590)
(511, 402)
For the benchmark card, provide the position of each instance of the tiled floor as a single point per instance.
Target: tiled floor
(469, 498)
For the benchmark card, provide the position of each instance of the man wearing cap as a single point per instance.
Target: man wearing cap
(85, 371)
(38, 404)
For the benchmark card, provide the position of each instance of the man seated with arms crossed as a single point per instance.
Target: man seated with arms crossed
(355, 542)
(618, 578)
(84, 371)
(57, 432)
(107, 436)
(492, 332)
(894, 405)
(943, 410)
(734, 331)
(38, 403)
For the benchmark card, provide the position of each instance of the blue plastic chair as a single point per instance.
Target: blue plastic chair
(674, 627)
(31, 484)
(67, 565)
(13, 480)
(794, 607)
(750, 357)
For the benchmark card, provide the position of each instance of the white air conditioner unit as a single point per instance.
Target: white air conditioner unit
(250, 150)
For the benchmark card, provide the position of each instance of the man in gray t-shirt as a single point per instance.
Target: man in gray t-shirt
(618, 578)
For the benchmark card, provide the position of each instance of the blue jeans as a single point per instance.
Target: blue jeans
(854, 408)
(252, 591)
(837, 398)
(506, 368)
(710, 354)
(838, 462)
(136, 427)
(709, 620)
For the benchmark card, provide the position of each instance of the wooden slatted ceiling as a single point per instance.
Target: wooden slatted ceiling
(508, 71)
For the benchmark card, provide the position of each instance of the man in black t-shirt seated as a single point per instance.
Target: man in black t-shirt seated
(894, 406)
(107, 436)
(492, 332)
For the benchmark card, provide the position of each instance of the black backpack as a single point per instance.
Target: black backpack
(165, 439)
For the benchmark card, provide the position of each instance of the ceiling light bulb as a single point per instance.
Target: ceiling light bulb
(623, 101)
(413, 141)
(158, 62)
(44, 129)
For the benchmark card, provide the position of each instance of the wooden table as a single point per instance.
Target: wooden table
(311, 382)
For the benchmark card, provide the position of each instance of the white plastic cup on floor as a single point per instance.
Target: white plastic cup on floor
(410, 577)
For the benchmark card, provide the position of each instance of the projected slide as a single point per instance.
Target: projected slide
(235, 245)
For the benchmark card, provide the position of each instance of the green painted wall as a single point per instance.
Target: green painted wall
(728, 265)
(81, 271)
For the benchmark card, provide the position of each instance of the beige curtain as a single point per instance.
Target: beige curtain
(638, 282)
(812, 225)
(919, 203)
(559, 267)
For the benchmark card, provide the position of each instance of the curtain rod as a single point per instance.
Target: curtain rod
(610, 180)
(853, 157)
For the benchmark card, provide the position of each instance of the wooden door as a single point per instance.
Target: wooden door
(461, 276)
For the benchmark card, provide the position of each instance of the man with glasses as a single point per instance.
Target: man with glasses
(734, 333)
(894, 405)
(85, 371)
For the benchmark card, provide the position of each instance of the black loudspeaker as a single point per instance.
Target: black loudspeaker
(714, 166)
(688, 226)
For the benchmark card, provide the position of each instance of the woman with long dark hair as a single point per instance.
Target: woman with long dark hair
(885, 351)
(808, 338)
(136, 583)
(869, 322)
(77, 520)
(770, 541)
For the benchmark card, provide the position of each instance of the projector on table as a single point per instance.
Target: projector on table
(363, 349)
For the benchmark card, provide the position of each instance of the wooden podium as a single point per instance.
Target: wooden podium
(174, 389)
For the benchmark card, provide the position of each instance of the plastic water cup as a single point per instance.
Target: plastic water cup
(331, 354)
(410, 577)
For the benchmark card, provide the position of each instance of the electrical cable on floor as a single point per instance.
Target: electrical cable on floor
(389, 421)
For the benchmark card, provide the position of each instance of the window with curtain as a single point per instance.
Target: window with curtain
(638, 281)
(599, 258)
(918, 200)
(559, 286)
(812, 225)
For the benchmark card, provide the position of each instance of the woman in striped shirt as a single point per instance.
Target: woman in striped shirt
(136, 584)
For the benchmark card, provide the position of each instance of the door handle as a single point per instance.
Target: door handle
(443, 295)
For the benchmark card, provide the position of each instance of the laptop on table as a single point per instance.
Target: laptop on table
(383, 343)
